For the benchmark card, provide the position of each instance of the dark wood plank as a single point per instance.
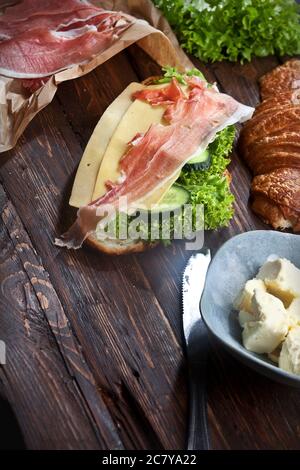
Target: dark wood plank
(248, 411)
(85, 99)
(41, 384)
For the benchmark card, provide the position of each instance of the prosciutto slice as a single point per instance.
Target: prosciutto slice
(40, 53)
(167, 95)
(207, 102)
(155, 157)
(41, 37)
(55, 22)
(26, 9)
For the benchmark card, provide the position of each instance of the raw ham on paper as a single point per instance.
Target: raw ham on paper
(154, 158)
(29, 8)
(56, 22)
(21, 58)
(41, 37)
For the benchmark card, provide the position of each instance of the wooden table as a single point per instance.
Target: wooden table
(94, 343)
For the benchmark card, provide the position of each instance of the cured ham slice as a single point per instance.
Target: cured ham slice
(40, 38)
(155, 157)
(40, 53)
(55, 22)
(181, 108)
(201, 101)
(167, 95)
(28, 8)
(102, 20)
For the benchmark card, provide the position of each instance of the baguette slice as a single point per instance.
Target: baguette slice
(119, 247)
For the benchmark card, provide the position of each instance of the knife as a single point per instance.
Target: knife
(196, 339)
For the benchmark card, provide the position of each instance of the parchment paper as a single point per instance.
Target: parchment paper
(17, 109)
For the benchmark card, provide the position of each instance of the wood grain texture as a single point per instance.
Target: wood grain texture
(112, 326)
(45, 370)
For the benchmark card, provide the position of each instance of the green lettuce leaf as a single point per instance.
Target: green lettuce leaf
(210, 187)
(172, 72)
(234, 29)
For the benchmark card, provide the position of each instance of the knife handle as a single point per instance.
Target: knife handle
(198, 428)
(198, 436)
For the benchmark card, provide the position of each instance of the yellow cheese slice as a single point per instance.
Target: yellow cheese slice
(88, 169)
(138, 118)
(122, 120)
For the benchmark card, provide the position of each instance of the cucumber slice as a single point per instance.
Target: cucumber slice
(174, 198)
(201, 161)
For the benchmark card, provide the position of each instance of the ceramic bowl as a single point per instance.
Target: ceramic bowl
(238, 260)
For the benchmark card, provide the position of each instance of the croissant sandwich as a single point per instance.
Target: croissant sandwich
(270, 145)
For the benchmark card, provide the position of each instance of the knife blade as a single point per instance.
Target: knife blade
(196, 339)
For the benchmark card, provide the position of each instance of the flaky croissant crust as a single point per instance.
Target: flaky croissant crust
(270, 144)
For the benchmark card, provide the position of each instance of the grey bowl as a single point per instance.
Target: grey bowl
(235, 262)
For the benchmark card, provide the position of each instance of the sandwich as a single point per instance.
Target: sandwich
(157, 155)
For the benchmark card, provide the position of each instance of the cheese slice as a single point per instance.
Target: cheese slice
(138, 118)
(122, 120)
(88, 169)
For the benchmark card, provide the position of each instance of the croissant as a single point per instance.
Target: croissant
(276, 197)
(286, 77)
(270, 145)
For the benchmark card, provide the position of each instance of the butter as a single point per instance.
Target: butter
(269, 313)
(243, 302)
(282, 279)
(244, 317)
(294, 312)
(270, 324)
(289, 358)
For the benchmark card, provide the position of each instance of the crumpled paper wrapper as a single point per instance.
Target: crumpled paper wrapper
(154, 36)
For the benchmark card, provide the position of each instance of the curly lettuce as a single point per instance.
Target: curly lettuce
(236, 30)
(211, 187)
